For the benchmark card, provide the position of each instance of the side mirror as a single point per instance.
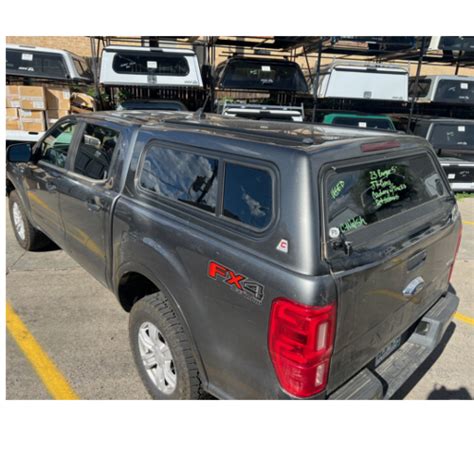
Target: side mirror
(19, 153)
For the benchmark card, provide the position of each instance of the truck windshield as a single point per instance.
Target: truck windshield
(458, 91)
(460, 136)
(359, 197)
(261, 75)
(35, 64)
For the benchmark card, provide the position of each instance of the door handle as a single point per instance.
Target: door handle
(51, 187)
(93, 206)
(416, 260)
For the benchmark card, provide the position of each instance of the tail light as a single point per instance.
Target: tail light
(300, 343)
(458, 244)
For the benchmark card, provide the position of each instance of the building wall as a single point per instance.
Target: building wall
(76, 44)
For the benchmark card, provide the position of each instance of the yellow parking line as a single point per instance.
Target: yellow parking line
(46, 369)
(468, 222)
(465, 319)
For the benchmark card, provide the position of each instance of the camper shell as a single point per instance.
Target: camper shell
(287, 113)
(453, 141)
(45, 64)
(377, 122)
(268, 74)
(357, 80)
(444, 89)
(150, 66)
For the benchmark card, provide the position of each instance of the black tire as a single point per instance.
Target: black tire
(32, 239)
(155, 309)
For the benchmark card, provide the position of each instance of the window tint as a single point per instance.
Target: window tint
(362, 122)
(248, 195)
(241, 74)
(460, 136)
(82, 68)
(458, 91)
(181, 176)
(36, 64)
(55, 146)
(374, 192)
(422, 89)
(158, 64)
(95, 151)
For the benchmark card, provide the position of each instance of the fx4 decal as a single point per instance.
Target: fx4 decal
(251, 290)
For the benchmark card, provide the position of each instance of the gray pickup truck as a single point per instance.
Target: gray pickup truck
(258, 260)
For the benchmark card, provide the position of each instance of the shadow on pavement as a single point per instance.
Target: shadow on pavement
(49, 247)
(442, 393)
(425, 366)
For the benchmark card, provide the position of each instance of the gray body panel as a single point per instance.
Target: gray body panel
(172, 244)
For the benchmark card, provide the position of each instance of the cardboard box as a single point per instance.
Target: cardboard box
(13, 121)
(82, 102)
(52, 116)
(58, 98)
(13, 97)
(32, 120)
(13, 124)
(12, 113)
(32, 98)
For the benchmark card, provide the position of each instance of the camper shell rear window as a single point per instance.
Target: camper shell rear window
(150, 63)
(460, 136)
(449, 90)
(362, 122)
(263, 75)
(36, 64)
(357, 197)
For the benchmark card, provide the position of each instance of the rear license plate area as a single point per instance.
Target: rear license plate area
(388, 350)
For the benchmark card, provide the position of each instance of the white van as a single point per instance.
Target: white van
(142, 66)
(46, 63)
(357, 80)
(444, 89)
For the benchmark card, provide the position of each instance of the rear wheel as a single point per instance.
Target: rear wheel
(26, 235)
(162, 351)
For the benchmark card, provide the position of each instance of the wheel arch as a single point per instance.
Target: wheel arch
(134, 281)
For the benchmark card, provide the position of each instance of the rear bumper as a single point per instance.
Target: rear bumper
(383, 381)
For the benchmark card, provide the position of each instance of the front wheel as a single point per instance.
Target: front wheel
(26, 235)
(162, 351)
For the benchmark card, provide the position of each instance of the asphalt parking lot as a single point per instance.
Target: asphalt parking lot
(83, 330)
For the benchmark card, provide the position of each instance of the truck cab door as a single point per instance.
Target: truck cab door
(88, 195)
(44, 178)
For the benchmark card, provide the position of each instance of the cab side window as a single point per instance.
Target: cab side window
(55, 146)
(95, 152)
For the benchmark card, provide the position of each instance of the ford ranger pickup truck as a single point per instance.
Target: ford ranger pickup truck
(257, 259)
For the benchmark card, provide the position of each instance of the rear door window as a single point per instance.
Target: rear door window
(248, 195)
(180, 176)
(359, 197)
(95, 152)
